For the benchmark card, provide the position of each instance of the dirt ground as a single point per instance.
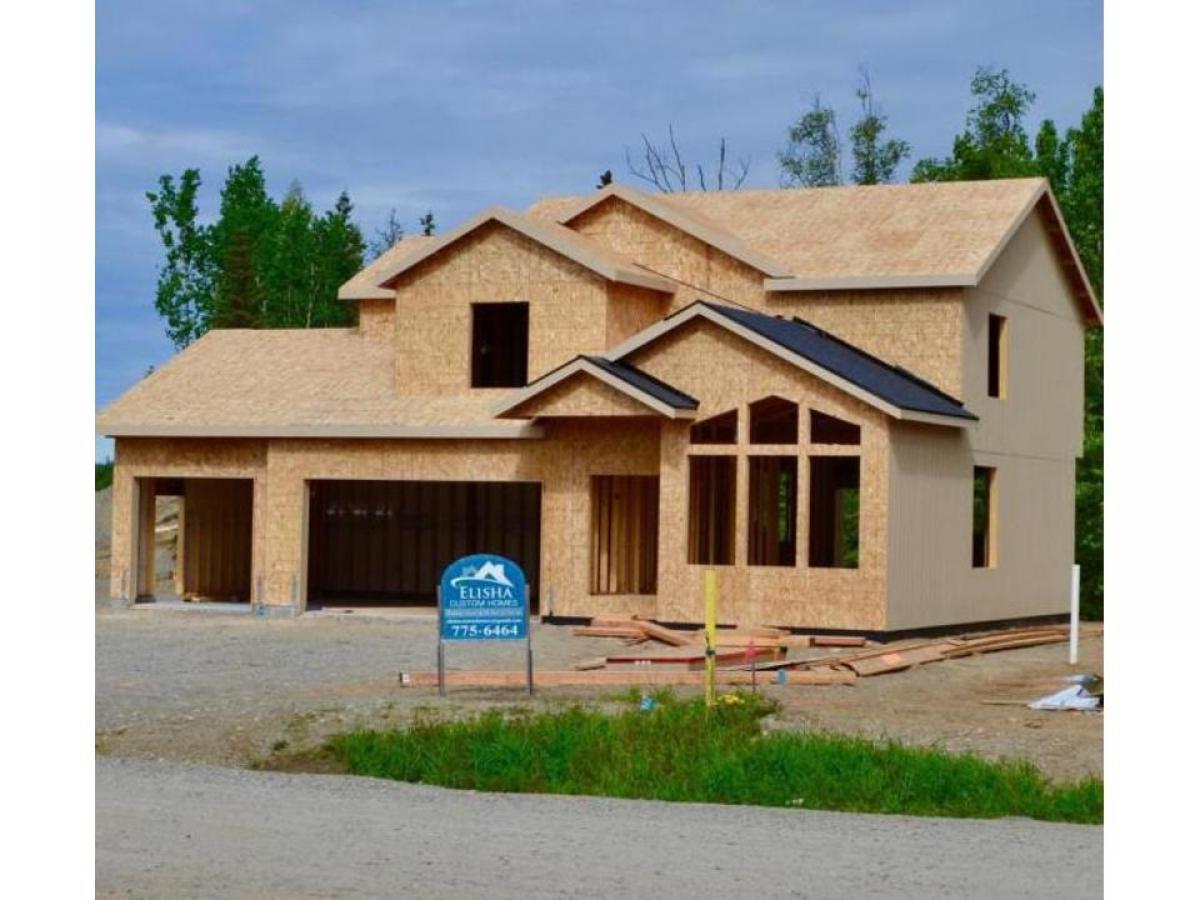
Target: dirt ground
(230, 689)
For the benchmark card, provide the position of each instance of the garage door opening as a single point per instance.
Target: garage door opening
(385, 543)
(193, 538)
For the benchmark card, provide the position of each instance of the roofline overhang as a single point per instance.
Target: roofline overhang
(698, 309)
(585, 365)
(594, 259)
(725, 241)
(483, 430)
(364, 292)
(869, 282)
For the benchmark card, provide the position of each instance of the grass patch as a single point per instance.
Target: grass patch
(680, 751)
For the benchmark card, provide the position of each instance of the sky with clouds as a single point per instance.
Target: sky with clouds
(453, 106)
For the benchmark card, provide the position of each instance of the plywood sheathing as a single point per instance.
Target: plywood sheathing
(921, 230)
(700, 269)
(180, 458)
(494, 264)
(364, 284)
(563, 462)
(377, 319)
(581, 394)
(836, 598)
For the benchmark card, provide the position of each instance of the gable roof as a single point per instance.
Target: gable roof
(595, 257)
(318, 382)
(939, 234)
(889, 388)
(694, 223)
(363, 286)
(646, 389)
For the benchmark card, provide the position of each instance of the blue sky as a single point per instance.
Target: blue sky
(453, 106)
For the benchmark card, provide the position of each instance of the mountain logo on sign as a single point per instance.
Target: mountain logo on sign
(489, 572)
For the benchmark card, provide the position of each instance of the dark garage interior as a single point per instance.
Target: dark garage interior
(380, 543)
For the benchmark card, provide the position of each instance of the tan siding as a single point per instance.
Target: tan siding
(1043, 412)
(930, 578)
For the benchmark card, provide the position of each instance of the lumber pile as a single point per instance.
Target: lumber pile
(745, 656)
(881, 660)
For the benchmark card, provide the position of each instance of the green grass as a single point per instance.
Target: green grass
(682, 752)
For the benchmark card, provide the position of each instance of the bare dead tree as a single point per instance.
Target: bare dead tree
(663, 167)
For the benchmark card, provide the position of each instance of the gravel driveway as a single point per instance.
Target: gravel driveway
(178, 830)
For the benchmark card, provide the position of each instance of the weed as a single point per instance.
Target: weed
(685, 752)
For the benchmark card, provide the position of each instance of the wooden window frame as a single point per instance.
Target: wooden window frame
(825, 539)
(770, 514)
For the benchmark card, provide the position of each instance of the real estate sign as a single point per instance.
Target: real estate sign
(483, 597)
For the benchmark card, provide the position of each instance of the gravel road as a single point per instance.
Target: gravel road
(184, 830)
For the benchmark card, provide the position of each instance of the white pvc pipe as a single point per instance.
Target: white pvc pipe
(1073, 652)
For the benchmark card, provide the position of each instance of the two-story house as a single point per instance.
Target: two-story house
(861, 406)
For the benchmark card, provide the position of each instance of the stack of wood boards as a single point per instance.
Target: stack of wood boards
(895, 658)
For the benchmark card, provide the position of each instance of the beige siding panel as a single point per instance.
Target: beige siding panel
(494, 264)
(930, 577)
(1043, 412)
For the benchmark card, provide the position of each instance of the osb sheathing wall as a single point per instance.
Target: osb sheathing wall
(632, 309)
(581, 394)
(1031, 437)
(179, 458)
(377, 318)
(920, 329)
(700, 269)
(563, 461)
(799, 595)
(494, 264)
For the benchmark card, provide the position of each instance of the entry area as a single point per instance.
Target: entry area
(387, 542)
(206, 540)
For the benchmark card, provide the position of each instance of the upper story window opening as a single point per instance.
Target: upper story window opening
(499, 345)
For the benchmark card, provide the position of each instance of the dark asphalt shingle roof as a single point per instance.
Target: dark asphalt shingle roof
(647, 384)
(890, 383)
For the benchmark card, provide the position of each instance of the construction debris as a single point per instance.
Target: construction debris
(760, 648)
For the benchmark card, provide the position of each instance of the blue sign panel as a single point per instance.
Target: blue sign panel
(483, 598)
